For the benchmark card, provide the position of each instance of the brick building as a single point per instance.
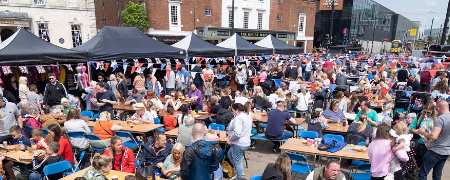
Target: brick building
(291, 21)
(108, 11)
(296, 16)
(171, 20)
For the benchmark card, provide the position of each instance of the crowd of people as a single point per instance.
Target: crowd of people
(399, 105)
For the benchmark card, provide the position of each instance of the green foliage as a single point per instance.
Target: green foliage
(135, 15)
(448, 39)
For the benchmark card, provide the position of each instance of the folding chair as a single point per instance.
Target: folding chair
(78, 151)
(88, 114)
(93, 143)
(309, 134)
(58, 167)
(364, 175)
(215, 126)
(299, 164)
(129, 141)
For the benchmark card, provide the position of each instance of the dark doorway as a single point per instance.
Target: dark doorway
(5, 34)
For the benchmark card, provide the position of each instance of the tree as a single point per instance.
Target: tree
(135, 15)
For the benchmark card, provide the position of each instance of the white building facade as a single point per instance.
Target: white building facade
(248, 14)
(65, 23)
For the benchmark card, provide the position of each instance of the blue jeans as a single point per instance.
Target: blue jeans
(35, 176)
(285, 135)
(236, 156)
(432, 160)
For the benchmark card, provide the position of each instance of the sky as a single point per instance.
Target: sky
(419, 10)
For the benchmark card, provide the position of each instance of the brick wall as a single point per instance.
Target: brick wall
(158, 12)
(107, 12)
(289, 10)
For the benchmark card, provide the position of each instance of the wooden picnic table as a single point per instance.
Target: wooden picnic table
(336, 128)
(141, 128)
(222, 134)
(348, 152)
(264, 117)
(120, 175)
(13, 153)
(198, 116)
(123, 107)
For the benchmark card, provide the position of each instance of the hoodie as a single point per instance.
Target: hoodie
(200, 160)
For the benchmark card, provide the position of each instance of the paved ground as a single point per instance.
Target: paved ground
(262, 155)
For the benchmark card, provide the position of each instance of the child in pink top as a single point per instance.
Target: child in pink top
(380, 153)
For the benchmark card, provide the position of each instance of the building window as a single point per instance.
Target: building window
(230, 18)
(260, 20)
(246, 14)
(76, 35)
(43, 31)
(3, 1)
(40, 2)
(301, 22)
(261, 1)
(279, 18)
(174, 15)
(208, 12)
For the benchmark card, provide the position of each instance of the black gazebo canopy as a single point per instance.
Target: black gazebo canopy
(126, 42)
(24, 48)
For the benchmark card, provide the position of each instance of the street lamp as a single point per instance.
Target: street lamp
(232, 17)
(332, 21)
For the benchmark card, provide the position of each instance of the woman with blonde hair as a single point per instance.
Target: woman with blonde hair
(280, 170)
(171, 166)
(101, 165)
(260, 99)
(441, 87)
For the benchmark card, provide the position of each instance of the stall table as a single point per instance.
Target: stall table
(336, 128)
(142, 128)
(12, 153)
(348, 152)
(120, 175)
(174, 134)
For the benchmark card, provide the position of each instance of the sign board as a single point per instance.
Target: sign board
(412, 32)
(14, 22)
(326, 5)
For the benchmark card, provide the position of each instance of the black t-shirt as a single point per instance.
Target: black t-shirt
(402, 75)
(108, 95)
(276, 122)
(225, 101)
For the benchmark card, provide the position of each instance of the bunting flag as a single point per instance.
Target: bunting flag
(105, 66)
(40, 69)
(125, 65)
(149, 63)
(23, 69)
(6, 70)
(114, 65)
(69, 67)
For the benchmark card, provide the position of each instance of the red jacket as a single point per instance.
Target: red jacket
(65, 150)
(127, 162)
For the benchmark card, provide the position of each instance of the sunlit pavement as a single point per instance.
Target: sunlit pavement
(259, 158)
